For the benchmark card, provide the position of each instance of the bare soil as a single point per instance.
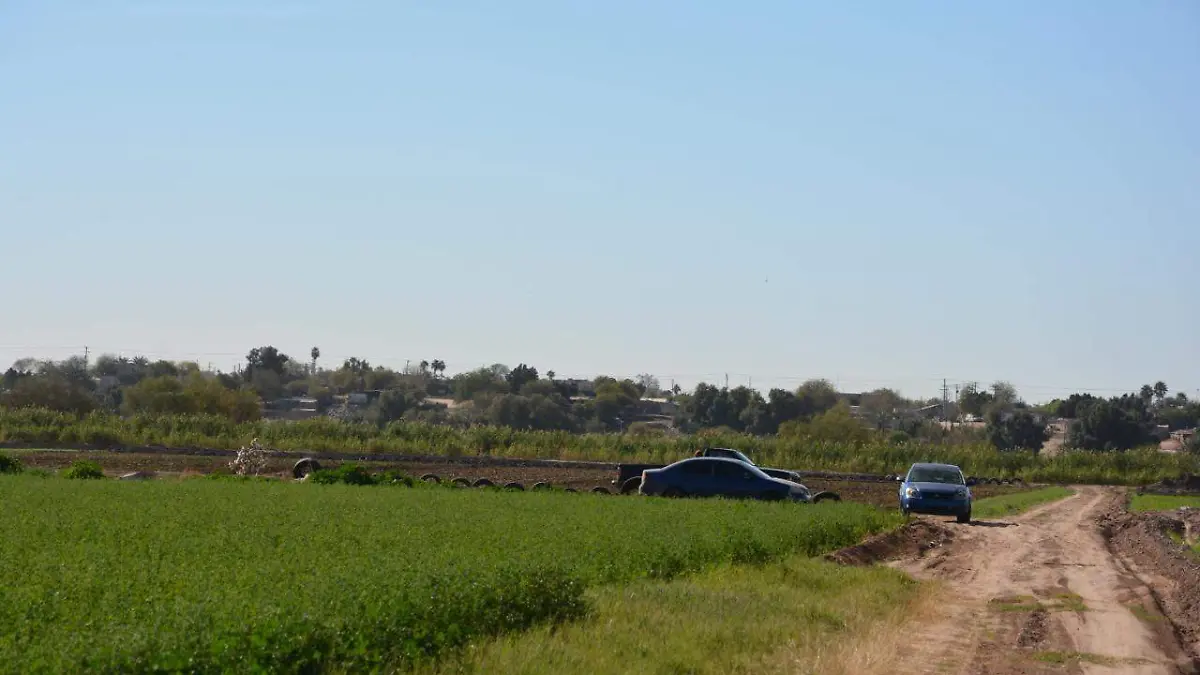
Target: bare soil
(578, 475)
(1041, 592)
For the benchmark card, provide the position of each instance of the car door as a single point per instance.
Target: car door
(695, 477)
(731, 479)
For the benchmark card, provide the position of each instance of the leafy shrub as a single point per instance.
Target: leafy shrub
(9, 464)
(83, 470)
(350, 474)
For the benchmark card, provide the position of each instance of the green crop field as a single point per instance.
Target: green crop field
(220, 576)
(50, 429)
(1007, 505)
(1162, 502)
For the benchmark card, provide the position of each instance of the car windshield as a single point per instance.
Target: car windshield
(935, 474)
(740, 456)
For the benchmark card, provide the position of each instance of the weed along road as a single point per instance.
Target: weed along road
(1037, 593)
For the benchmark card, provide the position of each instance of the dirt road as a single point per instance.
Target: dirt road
(1038, 593)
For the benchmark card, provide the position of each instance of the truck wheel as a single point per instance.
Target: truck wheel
(304, 467)
(826, 497)
(631, 486)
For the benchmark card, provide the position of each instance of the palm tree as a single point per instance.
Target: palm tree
(439, 367)
(550, 375)
(1160, 390)
(1147, 392)
(316, 354)
(424, 367)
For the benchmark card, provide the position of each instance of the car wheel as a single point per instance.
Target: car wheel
(674, 493)
(964, 517)
(904, 512)
(826, 497)
(631, 486)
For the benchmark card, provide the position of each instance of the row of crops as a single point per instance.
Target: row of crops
(232, 576)
(45, 428)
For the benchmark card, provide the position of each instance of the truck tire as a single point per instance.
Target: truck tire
(431, 478)
(826, 497)
(514, 486)
(462, 482)
(304, 467)
(631, 486)
(483, 483)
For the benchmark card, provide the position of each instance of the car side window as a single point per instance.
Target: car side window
(730, 470)
(696, 468)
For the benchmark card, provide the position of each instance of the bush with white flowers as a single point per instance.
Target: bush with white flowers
(250, 460)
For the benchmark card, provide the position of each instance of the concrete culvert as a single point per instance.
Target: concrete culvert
(514, 486)
(431, 478)
(483, 482)
(826, 497)
(304, 467)
(631, 486)
(462, 482)
(541, 486)
(600, 490)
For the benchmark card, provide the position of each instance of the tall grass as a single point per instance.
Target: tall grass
(40, 427)
(231, 576)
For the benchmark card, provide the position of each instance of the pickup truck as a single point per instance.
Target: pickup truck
(629, 476)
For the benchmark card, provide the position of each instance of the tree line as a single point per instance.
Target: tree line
(525, 398)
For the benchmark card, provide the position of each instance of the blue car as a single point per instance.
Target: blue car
(937, 489)
(718, 477)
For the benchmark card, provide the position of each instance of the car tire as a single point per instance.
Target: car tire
(904, 512)
(631, 485)
(674, 493)
(304, 467)
(964, 517)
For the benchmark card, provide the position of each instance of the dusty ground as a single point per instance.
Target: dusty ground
(580, 478)
(1038, 593)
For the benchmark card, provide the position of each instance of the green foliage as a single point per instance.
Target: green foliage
(229, 576)
(1020, 430)
(349, 474)
(83, 470)
(51, 391)
(9, 464)
(196, 394)
(1116, 424)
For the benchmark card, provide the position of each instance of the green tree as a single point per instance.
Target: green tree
(1020, 430)
(1160, 390)
(974, 401)
(315, 354)
(816, 396)
(193, 394)
(1114, 424)
(265, 359)
(1147, 393)
(52, 391)
(479, 382)
(519, 376)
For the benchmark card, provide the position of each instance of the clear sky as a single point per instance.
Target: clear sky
(882, 193)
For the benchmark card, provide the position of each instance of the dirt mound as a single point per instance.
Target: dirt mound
(1185, 484)
(1153, 543)
(913, 540)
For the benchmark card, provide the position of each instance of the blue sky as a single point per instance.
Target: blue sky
(885, 194)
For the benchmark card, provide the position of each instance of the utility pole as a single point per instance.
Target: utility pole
(726, 380)
(86, 353)
(945, 396)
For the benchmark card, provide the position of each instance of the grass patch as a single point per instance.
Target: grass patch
(1012, 504)
(233, 576)
(1061, 602)
(1071, 658)
(799, 612)
(1140, 503)
(1144, 614)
